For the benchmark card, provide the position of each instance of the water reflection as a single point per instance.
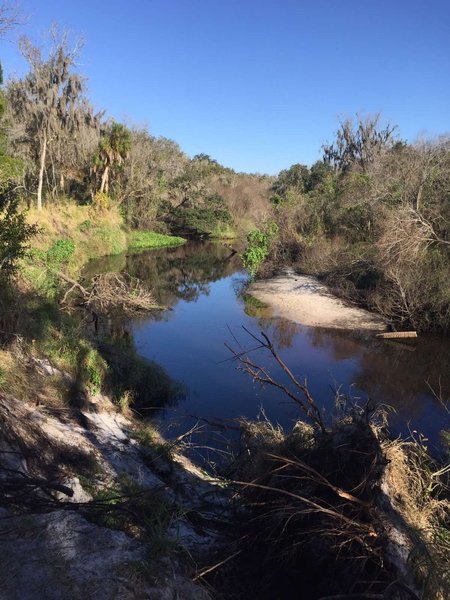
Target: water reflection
(181, 273)
(198, 283)
(399, 373)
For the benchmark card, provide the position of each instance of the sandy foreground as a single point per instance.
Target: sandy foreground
(305, 300)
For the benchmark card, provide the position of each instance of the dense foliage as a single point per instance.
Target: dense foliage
(373, 219)
(258, 247)
(69, 150)
(15, 232)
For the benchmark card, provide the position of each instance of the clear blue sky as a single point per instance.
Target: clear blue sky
(258, 84)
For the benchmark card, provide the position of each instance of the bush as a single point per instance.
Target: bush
(210, 218)
(258, 247)
(139, 240)
(60, 252)
(15, 233)
(92, 368)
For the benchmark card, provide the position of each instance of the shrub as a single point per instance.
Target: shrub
(258, 247)
(210, 218)
(92, 368)
(60, 252)
(15, 233)
(101, 201)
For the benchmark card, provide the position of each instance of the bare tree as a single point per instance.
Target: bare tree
(10, 17)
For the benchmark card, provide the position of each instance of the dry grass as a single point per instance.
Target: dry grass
(95, 232)
(418, 491)
(336, 503)
(21, 379)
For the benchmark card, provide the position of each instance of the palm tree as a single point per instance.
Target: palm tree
(112, 151)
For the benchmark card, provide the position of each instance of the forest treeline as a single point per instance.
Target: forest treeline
(61, 147)
(372, 218)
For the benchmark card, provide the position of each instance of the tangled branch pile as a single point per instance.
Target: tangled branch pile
(112, 293)
(338, 511)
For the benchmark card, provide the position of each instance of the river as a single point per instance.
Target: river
(200, 284)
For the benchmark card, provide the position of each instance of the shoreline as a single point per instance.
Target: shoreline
(304, 300)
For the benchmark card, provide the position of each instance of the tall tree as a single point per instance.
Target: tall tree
(49, 105)
(295, 178)
(113, 150)
(358, 145)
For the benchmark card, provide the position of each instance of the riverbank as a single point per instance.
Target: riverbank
(304, 300)
(144, 522)
(77, 469)
(101, 503)
(94, 231)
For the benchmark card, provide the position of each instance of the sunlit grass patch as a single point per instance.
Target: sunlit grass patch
(150, 239)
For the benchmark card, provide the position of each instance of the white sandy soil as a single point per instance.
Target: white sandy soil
(305, 300)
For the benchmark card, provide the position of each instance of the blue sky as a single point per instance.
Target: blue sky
(257, 84)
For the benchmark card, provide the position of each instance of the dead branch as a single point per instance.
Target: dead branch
(111, 292)
(305, 401)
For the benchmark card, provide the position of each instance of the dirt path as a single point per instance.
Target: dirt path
(305, 300)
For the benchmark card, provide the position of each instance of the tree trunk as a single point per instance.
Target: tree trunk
(104, 183)
(419, 197)
(41, 172)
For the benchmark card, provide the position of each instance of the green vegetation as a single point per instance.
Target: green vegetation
(15, 232)
(150, 439)
(372, 219)
(129, 507)
(70, 235)
(258, 247)
(141, 240)
(67, 150)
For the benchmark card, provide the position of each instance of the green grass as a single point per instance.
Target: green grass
(148, 510)
(140, 240)
(148, 438)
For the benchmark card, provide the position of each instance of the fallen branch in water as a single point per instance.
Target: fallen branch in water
(111, 292)
(392, 335)
(305, 401)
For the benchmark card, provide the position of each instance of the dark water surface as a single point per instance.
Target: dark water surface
(200, 284)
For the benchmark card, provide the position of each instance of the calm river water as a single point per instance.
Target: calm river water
(200, 284)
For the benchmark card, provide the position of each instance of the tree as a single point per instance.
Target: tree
(295, 178)
(14, 230)
(49, 106)
(358, 145)
(318, 175)
(113, 149)
(9, 17)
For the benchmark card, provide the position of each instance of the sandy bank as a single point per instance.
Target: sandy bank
(305, 300)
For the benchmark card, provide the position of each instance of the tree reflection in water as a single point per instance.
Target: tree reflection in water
(398, 374)
(198, 281)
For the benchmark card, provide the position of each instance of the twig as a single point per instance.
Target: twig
(216, 566)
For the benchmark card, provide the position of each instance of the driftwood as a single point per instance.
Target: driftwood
(110, 292)
(392, 335)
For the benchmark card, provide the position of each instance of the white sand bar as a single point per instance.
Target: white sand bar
(305, 300)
